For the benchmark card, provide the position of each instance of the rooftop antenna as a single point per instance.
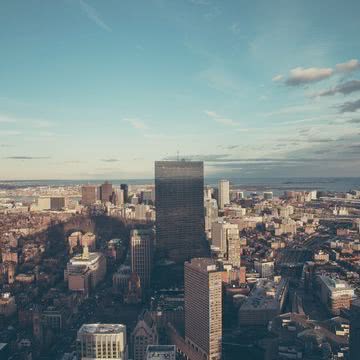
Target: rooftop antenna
(178, 155)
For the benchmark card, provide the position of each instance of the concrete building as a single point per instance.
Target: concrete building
(226, 238)
(53, 203)
(268, 195)
(265, 301)
(141, 211)
(106, 191)
(7, 305)
(203, 307)
(355, 330)
(89, 194)
(144, 334)
(102, 342)
(161, 352)
(121, 279)
(179, 194)
(223, 193)
(264, 267)
(85, 271)
(211, 214)
(335, 294)
(141, 241)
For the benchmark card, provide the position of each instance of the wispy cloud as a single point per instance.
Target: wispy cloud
(350, 106)
(136, 123)
(110, 160)
(93, 15)
(26, 157)
(344, 88)
(9, 133)
(348, 66)
(278, 77)
(220, 119)
(300, 76)
(7, 119)
(219, 79)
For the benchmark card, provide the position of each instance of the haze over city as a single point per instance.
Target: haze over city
(101, 89)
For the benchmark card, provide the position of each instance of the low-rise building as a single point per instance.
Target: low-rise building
(265, 301)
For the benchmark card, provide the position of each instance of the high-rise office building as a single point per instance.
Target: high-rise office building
(125, 189)
(203, 307)
(179, 198)
(89, 194)
(355, 329)
(223, 193)
(106, 191)
(102, 341)
(226, 238)
(141, 254)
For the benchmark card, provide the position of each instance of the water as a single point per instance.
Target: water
(334, 184)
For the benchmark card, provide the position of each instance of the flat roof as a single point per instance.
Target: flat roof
(102, 329)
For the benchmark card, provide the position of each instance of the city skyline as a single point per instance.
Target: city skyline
(100, 90)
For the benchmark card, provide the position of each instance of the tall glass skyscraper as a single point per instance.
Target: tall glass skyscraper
(179, 200)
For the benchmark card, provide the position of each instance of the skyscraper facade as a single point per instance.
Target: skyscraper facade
(88, 194)
(225, 237)
(355, 330)
(106, 191)
(125, 189)
(223, 193)
(179, 198)
(141, 255)
(203, 307)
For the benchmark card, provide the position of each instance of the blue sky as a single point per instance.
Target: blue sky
(101, 89)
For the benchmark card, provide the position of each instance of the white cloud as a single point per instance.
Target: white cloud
(348, 66)
(93, 15)
(299, 75)
(9, 132)
(277, 77)
(136, 123)
(220, 119)
(6, 119)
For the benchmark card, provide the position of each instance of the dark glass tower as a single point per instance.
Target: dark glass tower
(179, 200)
(355, 330)
(125, 188)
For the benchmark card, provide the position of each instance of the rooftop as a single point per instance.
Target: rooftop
(102, 329)
(160, 351)
(266, 295)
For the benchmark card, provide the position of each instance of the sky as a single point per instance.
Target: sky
(100, 89)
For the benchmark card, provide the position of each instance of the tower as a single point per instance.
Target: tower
(203, 307)
(106, 191)
(223, 193)
(141, 254)
(179, 198)
(355, 330)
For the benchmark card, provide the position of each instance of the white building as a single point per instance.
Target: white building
(225, 237)
(223, 193)
(87, 267)
(102, 342)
